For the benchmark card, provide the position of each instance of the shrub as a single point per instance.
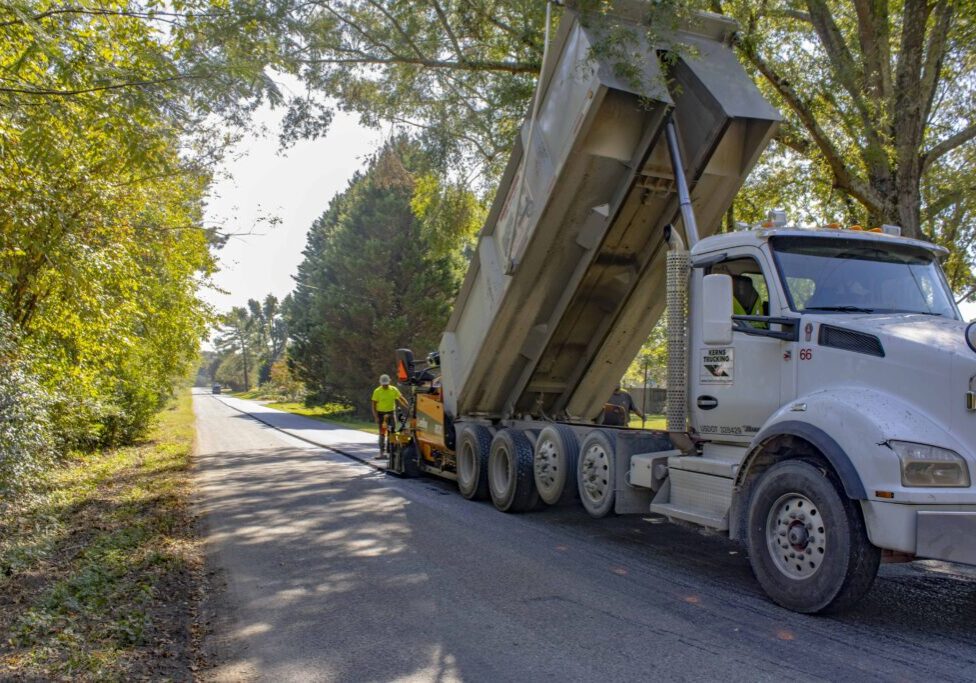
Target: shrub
(26, 439)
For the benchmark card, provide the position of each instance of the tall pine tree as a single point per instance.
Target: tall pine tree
(370, 282)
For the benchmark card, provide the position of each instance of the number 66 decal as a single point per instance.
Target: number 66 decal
(806, 354)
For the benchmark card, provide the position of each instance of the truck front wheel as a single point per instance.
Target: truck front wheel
(473, 449)
(807, 543)
(510, 479)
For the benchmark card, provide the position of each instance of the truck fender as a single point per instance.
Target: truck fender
(822, 441)
(814, 424)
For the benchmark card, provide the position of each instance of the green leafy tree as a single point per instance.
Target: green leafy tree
(256, 333)
(272, 334)
(240, 333)
(230, 371)
(652, 357)
(106, 136)
(27, 443)
(284, 383)
(459, 72)
(880, 99)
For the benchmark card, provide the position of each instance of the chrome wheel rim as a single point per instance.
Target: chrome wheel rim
(595, 473)
(547, 466)
(796, 536)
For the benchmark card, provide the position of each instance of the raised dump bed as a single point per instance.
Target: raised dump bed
(568, 278)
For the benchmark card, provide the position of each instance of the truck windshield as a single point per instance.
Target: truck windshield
(837, 275)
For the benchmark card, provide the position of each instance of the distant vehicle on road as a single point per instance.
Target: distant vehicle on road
(216, 388)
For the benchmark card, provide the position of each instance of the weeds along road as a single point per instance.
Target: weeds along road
(336, 572)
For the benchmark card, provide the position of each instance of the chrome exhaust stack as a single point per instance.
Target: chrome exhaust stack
(678, 272)
(678, 269)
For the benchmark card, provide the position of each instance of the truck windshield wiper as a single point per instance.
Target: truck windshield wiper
(840, 309)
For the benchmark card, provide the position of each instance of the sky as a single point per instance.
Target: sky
(294, 185)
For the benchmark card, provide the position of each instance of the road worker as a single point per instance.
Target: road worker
(385, 400)
(617, 409)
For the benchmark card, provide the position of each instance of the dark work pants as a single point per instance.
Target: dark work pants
(381, 423)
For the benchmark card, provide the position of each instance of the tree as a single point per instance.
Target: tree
(104, 153)
(370, 282)
(230, 372)
(653, 356)
(284, 383)
(459, 72)
(879, 96)
(238, 331)
(272, 334)
(256, 335)
(26, 441)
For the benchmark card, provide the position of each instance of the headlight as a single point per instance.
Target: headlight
(923, 465)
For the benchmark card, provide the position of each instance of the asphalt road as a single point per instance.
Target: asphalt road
(336, 572)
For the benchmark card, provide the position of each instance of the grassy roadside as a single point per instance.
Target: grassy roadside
(653, 422)
(252, 395)
(330, 412)
(100, 571)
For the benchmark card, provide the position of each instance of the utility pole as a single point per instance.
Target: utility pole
(644, 394)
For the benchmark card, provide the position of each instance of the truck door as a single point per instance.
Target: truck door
(735, 388)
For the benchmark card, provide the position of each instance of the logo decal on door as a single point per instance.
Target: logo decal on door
(718, 366)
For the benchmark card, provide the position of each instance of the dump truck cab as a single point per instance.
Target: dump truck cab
(861, 358)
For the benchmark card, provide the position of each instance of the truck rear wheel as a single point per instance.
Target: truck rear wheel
(554, 463)
(473, 450)
(807, 542)
(510, 479)
(595, 472)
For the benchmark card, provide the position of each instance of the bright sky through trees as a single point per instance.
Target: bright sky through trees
(295, 186)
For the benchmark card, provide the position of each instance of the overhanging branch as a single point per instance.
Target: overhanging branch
(947, 145)
(506, 67)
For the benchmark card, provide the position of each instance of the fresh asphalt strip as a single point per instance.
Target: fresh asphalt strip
(375, 464)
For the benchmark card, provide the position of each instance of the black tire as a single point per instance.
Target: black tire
(473, 450)
(408, 462)
(554, 464)
(595, 472)
(510, 479)
(809, 559)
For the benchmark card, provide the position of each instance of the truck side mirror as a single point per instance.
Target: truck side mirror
(716, 307)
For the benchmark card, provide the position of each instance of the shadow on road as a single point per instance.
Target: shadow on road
(340, 573)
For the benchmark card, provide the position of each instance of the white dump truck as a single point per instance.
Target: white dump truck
(832, 427)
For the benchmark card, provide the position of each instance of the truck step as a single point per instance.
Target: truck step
(697, 497)
(695, 516)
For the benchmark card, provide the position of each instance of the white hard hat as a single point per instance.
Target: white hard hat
(384, 379)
